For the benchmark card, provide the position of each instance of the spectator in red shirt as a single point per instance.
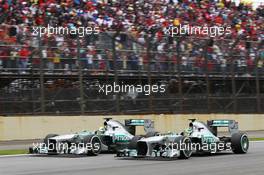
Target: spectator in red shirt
(4, 57)
(24, 54)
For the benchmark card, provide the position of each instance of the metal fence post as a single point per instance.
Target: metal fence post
(115, 70)
(149, 72)
(233, 85)
(179, 74)
(42, 86)
(234, 96)
(32, 83)
(257, 81)
(207, 77)
(80, 73)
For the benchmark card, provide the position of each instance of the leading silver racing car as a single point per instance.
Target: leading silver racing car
(166, 145)
(206, 139)
(198, 138)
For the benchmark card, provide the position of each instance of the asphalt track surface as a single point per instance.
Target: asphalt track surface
(251, 163)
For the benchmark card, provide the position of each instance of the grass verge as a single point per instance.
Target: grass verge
(256, 139)
(13, 152)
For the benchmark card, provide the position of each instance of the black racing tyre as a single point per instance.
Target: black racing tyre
(133, 142)
(46, 139)
(239, 143)
(31, 150)
(185, 145)
(95, 146)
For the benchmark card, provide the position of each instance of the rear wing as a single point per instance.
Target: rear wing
(147, 123)
(231, 124)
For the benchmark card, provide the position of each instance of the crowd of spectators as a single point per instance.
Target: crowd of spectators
(138, 25)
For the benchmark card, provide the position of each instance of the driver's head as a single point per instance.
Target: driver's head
(105, 124)
(101, 129)
(190, 129)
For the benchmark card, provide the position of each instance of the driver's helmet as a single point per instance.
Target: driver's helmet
(101, 130)
(189, 130)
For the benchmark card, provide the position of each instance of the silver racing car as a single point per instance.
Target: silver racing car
(198, 138)
(160, 146)
(206, 139)
(111, 137)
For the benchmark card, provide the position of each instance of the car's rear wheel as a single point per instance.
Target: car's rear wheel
(133, 142)
(239, 143)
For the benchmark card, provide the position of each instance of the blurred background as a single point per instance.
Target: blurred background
(59, 74)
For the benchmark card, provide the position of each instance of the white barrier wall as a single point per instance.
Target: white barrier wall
(34, 127)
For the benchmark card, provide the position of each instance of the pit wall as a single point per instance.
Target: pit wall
(35, 127)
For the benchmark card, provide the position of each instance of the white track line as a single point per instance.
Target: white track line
(259, 141)
(15, 155)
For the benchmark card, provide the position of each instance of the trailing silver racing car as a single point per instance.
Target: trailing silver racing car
(112, 137)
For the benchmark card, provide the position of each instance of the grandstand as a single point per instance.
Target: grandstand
(59, 74)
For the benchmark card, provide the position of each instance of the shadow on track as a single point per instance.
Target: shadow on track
(173, 159)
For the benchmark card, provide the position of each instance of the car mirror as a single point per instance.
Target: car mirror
(199, 129)
(114, 127)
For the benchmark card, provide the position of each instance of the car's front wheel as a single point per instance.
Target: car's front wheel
(184, 144)
(95, 145)
(239, 143)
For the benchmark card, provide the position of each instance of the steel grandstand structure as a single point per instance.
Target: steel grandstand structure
(60, 74)
(70, 84)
